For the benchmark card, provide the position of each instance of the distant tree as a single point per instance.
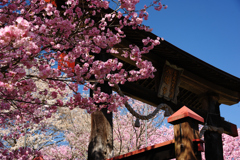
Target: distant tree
(126, 136)
(27, 135)
(129, 138)
(66, 134)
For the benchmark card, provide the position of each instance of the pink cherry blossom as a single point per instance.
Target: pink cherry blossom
(35, 37)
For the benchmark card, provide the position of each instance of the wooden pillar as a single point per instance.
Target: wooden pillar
(185, 123)
(213, 140)
(101, 139)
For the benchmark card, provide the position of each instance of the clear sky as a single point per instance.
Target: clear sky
(209, 30)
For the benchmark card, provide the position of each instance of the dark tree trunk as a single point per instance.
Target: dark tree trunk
(101, 140)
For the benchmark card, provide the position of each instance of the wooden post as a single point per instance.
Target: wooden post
(213, 140)
(185, 123)
(101, 139)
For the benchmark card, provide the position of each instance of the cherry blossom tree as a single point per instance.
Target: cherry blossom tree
(37, 136)
(36, 35)
(76, 125)
(231, 146)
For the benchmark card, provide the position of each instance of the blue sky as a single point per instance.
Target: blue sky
(209, 30)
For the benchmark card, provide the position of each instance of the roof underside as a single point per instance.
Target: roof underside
(180, 58)
(212, 78)
(185, 60)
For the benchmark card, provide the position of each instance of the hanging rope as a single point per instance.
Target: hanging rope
(210, 128)
(162, 106)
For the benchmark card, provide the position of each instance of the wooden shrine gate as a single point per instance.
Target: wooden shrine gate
(181, 79)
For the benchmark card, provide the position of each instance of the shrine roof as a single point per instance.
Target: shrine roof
(184, 60)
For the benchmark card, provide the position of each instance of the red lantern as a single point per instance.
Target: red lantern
(51, 1)
(63, 63)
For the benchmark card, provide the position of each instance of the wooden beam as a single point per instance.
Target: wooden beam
(199, 86)
(145, 95)
(150, 97)
(229, 128)
(161, 151)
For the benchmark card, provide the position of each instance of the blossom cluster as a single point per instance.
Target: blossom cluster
(33, 36)
(20, 154)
